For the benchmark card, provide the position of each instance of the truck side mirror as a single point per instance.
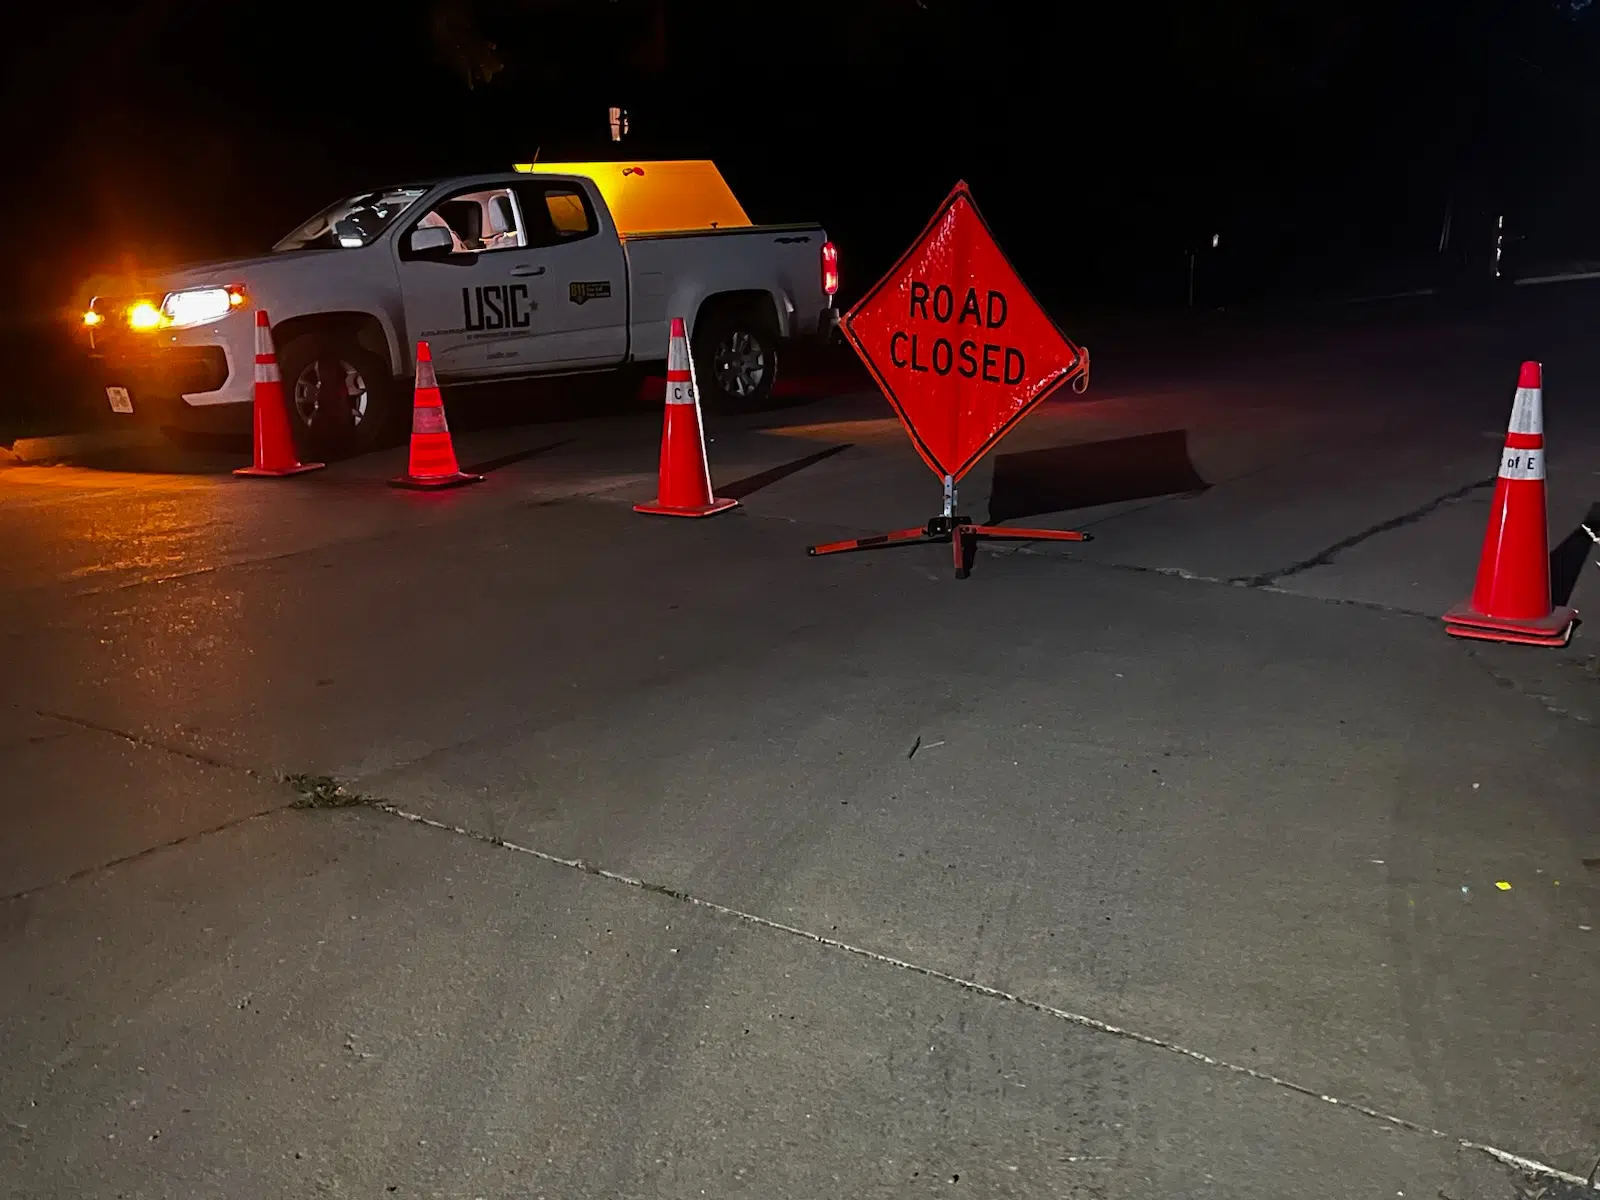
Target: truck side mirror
(431, 242)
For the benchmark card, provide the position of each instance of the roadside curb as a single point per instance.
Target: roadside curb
(34, 451)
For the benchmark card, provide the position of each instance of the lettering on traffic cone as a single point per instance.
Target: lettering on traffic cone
(433, 455)
(274, 448)
(1511, 601)
(684, 487)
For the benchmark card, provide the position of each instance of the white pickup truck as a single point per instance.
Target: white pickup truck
(550, 269)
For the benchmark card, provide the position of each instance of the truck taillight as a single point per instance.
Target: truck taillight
(830, 268)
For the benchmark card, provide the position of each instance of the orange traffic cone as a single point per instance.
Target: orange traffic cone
(433, 455)
(274, 448)
(1511, 602)
(684, 489)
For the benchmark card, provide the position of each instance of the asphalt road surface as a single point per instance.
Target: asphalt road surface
(1191, 861)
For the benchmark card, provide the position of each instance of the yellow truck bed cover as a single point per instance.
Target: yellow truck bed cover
(669, 196)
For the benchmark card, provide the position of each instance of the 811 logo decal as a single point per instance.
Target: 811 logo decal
(583, 291)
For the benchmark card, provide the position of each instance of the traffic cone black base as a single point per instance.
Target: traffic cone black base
(1554, 630)
(459, 479)
(698, 510)
(274, 473)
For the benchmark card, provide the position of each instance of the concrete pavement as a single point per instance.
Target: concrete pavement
(349, 1005)
(1216, 779)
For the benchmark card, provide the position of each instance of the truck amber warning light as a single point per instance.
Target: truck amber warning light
(144, 316)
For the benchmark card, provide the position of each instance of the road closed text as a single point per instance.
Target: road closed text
(973, 348)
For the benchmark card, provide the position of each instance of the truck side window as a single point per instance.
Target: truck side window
(556, 213)
(567, 213)
(480, 222)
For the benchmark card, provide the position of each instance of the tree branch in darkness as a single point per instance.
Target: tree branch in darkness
(459, 38)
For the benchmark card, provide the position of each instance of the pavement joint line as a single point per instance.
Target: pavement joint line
(144, 743)
(122, 860)
(1505, 1157)
(1323, 557)
(1043, 550)
(1511, 685)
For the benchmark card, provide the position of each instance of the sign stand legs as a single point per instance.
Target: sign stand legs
(961, 532)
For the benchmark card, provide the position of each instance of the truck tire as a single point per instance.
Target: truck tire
(735, 357)
(340, 396)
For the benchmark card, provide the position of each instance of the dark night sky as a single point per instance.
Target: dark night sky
(1321, 140)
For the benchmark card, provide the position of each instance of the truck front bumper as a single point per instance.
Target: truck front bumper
(186, 379)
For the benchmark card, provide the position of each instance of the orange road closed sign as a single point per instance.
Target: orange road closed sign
(957, 342)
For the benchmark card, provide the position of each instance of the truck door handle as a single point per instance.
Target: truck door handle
(524, 272)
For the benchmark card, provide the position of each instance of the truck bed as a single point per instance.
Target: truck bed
(783, 261)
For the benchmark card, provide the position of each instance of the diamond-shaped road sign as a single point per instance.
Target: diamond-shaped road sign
(957, 342)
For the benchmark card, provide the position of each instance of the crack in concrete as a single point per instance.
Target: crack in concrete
(1506, 1158)
(1323, 557)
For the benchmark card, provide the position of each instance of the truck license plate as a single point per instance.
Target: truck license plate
(120, 400)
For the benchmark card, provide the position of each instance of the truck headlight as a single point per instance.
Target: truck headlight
(200, 306)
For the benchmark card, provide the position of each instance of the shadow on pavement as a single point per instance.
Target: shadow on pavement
(179, 454)
(1567, 559)
(751, 484)
(1060, 478)
(505, 460)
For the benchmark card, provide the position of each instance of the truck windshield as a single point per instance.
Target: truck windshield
(352, 222)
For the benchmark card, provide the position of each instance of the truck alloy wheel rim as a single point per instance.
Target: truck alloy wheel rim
(309, 388)
(740, 364)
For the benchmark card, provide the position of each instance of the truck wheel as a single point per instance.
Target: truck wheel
(735, 358)
(340, 396)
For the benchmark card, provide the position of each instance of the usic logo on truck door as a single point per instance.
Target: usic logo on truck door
(497, 306)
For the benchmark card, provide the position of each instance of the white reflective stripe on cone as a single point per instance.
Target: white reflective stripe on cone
(425, 376)
(1522, 464)
(1527, 412)
(680, 393)
(267, 372)
(428, 420)
(678, 355)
